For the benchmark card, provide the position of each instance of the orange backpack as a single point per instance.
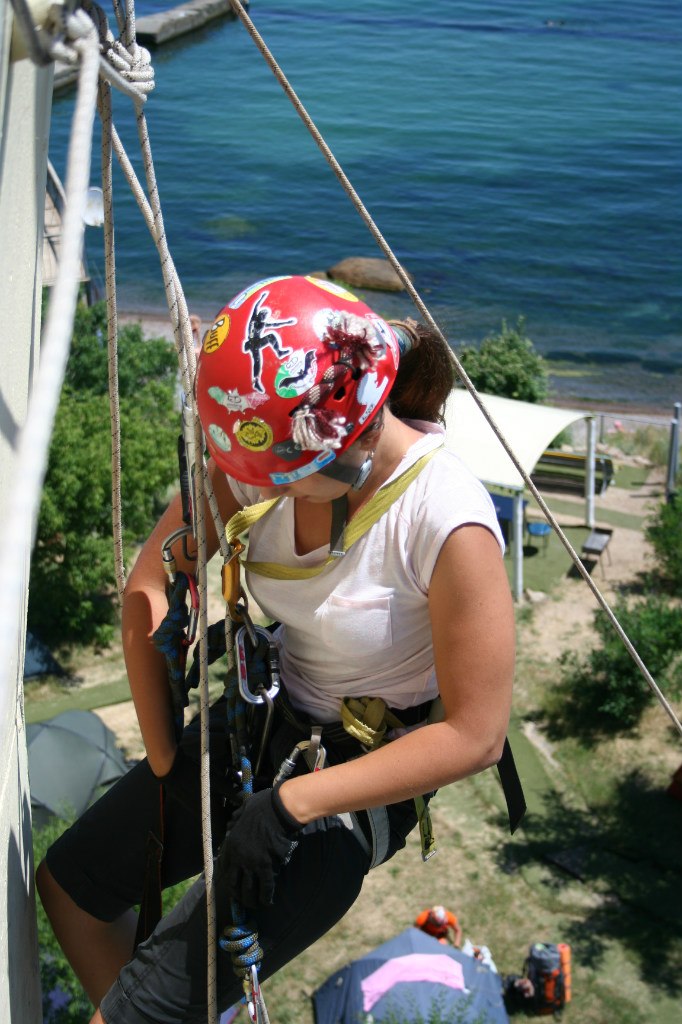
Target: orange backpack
(549, 968)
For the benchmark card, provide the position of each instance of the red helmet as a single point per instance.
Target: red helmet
(290, 373)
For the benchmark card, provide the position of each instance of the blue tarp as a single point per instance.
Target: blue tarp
(340, 999)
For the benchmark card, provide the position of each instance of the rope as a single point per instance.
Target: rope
(464, 377)
(104, 105)
(240, 939)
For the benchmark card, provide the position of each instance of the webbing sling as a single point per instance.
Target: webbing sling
(364, 519)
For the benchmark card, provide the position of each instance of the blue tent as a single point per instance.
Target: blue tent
(412, 978)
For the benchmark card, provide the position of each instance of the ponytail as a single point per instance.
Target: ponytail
(426, 375)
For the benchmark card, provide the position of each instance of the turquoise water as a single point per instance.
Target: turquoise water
(520, 159)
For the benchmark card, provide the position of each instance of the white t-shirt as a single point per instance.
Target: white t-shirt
(362, 627)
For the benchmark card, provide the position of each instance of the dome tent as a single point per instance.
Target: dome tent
(72, 758)
(410, 978)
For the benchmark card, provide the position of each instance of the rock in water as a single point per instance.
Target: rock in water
(365, 272)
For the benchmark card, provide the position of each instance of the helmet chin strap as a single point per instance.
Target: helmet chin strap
(339, 519)
(354, 476)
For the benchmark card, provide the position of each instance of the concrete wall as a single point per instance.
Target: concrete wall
(25, 103)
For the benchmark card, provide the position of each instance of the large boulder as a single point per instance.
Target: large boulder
(366, 272)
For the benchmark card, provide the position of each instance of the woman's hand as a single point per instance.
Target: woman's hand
(261, 838)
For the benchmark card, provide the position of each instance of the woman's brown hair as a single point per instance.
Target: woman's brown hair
(426, 375)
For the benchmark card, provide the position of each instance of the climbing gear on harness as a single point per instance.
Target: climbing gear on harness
(256, 635)
(260, 839)
(315, 756)
(291, 372)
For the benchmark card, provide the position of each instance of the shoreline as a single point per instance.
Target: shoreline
(156, 323)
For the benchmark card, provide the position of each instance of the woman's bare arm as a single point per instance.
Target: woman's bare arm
(144, 607)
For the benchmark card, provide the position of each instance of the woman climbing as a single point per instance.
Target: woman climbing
(418, 607)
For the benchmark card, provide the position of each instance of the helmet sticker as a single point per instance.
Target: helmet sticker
(220, 437)
(262, 333)
(216, 334)
(369, 393)
(233, 401)
(385, 332)
(335, 289)
(287, 450)
(248, 292)
(297, 374)
(255, 434)
(303, 471)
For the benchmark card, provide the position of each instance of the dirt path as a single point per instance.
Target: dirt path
(564, 619)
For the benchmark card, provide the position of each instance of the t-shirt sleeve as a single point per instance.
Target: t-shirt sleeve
(452, 497)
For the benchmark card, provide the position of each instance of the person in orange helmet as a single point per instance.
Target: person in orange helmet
(439, 922)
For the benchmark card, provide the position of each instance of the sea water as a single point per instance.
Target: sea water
(521, 160)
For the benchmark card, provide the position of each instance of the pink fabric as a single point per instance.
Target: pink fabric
(414, 967)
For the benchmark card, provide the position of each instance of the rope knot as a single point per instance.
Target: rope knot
(133, 63)
(315, 429)
(357, 340)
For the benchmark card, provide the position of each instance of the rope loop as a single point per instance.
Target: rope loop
(127, 66)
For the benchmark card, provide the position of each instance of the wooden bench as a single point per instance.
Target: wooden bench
(596, 544)
(566, 471)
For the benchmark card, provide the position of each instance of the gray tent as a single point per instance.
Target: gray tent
(71, 760)
(38, 661)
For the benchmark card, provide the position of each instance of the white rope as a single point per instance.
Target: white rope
(112, 334)
(184, 343)
(466, 380)
(34, 439)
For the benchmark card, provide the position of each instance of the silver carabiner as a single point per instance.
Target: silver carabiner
(253, 633)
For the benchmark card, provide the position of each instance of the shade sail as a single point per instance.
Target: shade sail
(528, 429)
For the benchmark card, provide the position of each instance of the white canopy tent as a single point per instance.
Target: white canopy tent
(528, 429)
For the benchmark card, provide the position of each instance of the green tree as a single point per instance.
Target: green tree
(603, 691)
(664, 533)
(507, 364)
(72, 586)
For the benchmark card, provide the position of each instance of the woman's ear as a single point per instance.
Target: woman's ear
(368, 440)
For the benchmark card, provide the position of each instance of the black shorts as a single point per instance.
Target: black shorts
(100, 863)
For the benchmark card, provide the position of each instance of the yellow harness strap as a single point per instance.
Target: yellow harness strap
(367, 719)
(367, 516)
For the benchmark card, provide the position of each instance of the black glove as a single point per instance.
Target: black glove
(260, 840)
(183, 785)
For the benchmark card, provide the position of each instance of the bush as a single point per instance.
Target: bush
(507, 364)
(604, 690)
(664, 533)
(649, 441)
(72, 585)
